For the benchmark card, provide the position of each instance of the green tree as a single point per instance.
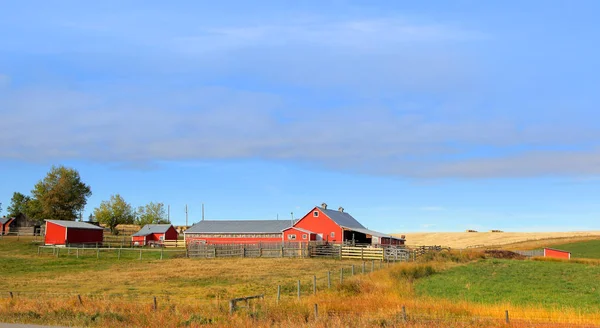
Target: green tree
(114, 212)
(18, 205)
(151, 213)
(61, 195)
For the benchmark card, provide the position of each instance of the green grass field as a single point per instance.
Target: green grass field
(541, 283)
(586, 249)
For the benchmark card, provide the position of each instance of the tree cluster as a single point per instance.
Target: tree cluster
(117, 211)
(61, 195)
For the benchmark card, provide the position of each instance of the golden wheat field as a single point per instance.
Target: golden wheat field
(481, 239)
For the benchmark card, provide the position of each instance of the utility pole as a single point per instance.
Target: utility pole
(169, 213)
(202, 211)
(186, 215)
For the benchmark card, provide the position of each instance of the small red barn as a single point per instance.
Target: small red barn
(336, 227)
(5, 225)
(71, 232)
(556, 253)
(154, 233)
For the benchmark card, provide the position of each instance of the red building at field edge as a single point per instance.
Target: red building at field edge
(60, 232)
(154, 233)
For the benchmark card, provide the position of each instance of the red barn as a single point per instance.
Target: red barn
(336, 227)
(237, 232)
(556, 253)
(5, 225)
(154, 233)
(71, 232)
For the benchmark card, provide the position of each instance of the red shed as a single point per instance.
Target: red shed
(154, 233)
(71, 232)
(5, 225)
(556, 253)
(337, 227)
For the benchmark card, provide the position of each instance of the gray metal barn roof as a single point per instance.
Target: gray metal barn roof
(75, 224)
(4, 220)
(342, 218)
(239, 226)
(152, 228)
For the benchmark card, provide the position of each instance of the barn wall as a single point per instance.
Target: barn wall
(238, 240)
(556, 254)
(321, 225)
(171, 234)
(299, 234)
(55, 234)
(141, 240)
(78, 236)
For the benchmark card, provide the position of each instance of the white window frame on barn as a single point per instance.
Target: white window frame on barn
(332, 234)
(304, 236)
(316, 214)
(291, 237)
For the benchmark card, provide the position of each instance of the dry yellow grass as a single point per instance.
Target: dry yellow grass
(476, 239)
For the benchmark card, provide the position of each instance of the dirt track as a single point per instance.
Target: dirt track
(472, 239)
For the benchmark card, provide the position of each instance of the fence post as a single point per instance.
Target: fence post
(97, 252)
(316, 312)
(380, 264)
(155, 305)
(11, 295)
(80, 301)
(281, 251)
(362, 253)
(315, 285)
(140, 254)
(341, 275)
(68, 250)
(243, 251)
(231, 306)
(57, 252)
(161, 252)
(298, 290)
(328, 279)
(118, 254)
(404, 318)
(506, 314)
(352, 269)
(77, 252)
(372, 265)
(363, 267)
(39, 249)
(278, 293)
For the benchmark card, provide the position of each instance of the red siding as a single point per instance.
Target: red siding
(555, 253)
(171, 234)
(78, 236)
(55, 234)
(219, 240)
(5, 228)
(299, 235)
(141, 240)
(321, 225)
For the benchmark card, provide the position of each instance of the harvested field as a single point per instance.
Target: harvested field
(481, 239)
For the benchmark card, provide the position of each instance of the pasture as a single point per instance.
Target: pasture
(484, 238)
(195, 292)
(550, 284)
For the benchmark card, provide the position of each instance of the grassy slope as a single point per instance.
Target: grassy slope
(547, 284)
(586, 249)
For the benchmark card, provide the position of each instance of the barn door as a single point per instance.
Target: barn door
(319, 236)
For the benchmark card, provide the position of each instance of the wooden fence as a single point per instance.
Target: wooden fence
(173, 243)
(363, 253)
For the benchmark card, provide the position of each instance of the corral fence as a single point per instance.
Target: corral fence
(118, 253)
(301, 250)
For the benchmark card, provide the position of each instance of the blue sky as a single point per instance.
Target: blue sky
(436, 116)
